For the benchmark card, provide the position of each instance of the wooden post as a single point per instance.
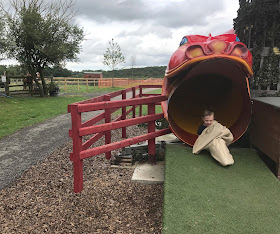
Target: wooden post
(140, 95)
(7, 92)
(87, 84)
(152, 142)
(65, 85)
(107, 120)
(123, 114)
(78, 85)
(77, 148)
(133, 107)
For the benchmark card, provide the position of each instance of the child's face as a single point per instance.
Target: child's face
(208, 120)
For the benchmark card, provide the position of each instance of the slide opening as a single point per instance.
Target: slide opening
(219, 84)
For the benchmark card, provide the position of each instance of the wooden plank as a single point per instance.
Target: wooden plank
(108, 132)
(121, 103)
(140, 95)
(120, 124)
(117, 145)
(123, 116)
(16, 85)
(133, 96)
(115, 94)
(92, 140)
(265, 131)
(94, 120)
(92, 100)
(150, 94)
(151, 129)
(152, 86)
(77, 148)
(24, 91)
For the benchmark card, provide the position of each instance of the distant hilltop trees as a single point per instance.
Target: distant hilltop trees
(145, 72)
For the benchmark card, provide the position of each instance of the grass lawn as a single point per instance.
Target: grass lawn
(83, 89)
(16, 113)
(200, 196)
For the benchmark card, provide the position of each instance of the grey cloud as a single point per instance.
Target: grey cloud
(110, 10)
(172, 14)
(160, 31)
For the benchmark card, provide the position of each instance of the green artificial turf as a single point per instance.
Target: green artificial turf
(200, 196)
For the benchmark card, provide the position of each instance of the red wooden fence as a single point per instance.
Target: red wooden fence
(126, 82)
(81, 150)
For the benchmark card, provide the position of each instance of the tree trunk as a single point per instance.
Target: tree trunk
(44, 84)
(42, 77)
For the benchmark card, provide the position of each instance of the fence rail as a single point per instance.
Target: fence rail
(81, 150)
(105, 82)
(14, 85)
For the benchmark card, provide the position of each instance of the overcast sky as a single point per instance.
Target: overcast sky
(149, 30)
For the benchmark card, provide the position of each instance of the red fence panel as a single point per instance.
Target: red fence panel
(79, 129)
(120, 144)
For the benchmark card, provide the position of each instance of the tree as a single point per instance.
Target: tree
(42, 33)
(113, 55)
(257, 25)
(3, 39)
(132, 63)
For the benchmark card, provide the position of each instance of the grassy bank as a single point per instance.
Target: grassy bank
(200, 196)
(17, 113)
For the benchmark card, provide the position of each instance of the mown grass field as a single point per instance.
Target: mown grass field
(20, 112)
(84, 89)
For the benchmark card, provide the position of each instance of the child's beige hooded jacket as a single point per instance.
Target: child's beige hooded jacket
(215, 138)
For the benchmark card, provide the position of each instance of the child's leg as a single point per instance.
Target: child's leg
(220, 152)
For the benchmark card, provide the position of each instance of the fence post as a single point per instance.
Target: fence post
(78, 85)
(107, 120)
(140, 95)
(7, 92)
(87, 85)
(65, 85)
(77, 148)
(133, 107)
(152, 142)
(124, 113)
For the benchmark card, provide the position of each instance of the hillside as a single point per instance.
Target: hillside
(144, 72)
